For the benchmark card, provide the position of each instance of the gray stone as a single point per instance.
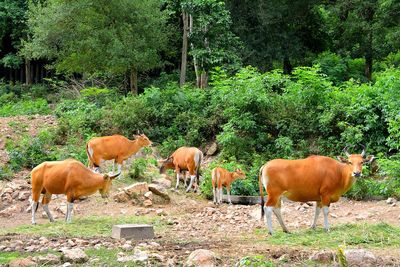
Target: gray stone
(360, 257)
(159, 191)
(49, 259)
(212, 149)
(133, 231)
(138, 256)
(22, 263)
(201, 258)
(75, 255)
(322, 256)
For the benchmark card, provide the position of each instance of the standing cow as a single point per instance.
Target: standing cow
(316, 178)
(184, 158)
(116, 147)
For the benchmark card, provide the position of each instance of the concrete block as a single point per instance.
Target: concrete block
(133, 231)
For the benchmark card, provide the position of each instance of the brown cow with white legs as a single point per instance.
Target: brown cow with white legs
(116, 147)
(184, 158)
(221, 177)
(316, 178)
(69, 177)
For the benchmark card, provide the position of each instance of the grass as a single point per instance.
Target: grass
(381, 235)
(85, 227)
(25, 107)
(108, 256)
(7, 257)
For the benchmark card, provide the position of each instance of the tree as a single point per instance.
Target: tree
(98, 36)
(364, 28)
(283, 31)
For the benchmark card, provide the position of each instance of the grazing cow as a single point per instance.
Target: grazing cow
(221, 177)
(184, 158)
(316, 178)
(116, 147)
(69, 177)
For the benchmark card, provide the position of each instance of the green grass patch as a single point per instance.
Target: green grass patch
(364, 235)
(108, 256)
(7, 257)
(85, 227)
(25, 107)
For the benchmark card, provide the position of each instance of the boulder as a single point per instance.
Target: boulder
(24, 195)
(212, 149)
(322, 256)
(360, 257)
(49, 259)
(163, 183)
(8, 212)
(22, 263)
(74, 255)
(159, 191)
(201, 258)
(121, 197)
(135, 189)
(149, 195)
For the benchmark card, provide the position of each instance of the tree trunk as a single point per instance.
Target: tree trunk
(369, 53)
(203, 80)
(287, 66)
(185, 19)
(28, 73)
(195, 63)
(134, 88)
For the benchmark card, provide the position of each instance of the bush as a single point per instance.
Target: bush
(23, 107)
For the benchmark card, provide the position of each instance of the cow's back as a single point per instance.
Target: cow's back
(184, 155)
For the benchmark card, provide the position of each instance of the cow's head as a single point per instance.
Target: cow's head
(105, 190)
(356, 161)
(143, 140)
(166, 164)
(239, 174)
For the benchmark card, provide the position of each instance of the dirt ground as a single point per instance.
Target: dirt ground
(228, 230)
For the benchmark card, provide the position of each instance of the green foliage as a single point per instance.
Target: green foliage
(23, 107)
(5, 173)
(255, 261)
(30, 152)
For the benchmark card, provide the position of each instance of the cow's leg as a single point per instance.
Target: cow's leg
(272, 201)
(178, 173)
(70, 207)
(317, 212)
(325, 209)
(119, 164)
(45, 202)
(215, 188)
(192, 178)
(228, 192)
(34, 207)
(277, 211)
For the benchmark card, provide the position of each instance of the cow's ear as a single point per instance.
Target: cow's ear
(369, 159)
(343, 159)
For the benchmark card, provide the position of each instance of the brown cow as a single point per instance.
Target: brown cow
(116, 147)
(69, 177)
(184, 158)
(221, 177)
(316, 178)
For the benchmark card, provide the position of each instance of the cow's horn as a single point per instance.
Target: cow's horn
(363, 151)
(345, 151)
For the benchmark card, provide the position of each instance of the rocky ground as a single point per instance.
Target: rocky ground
(193, 224)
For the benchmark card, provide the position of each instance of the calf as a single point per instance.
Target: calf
(69, 177)
(221, 177)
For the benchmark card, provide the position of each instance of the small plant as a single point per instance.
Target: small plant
(342, 257)
(255, 261)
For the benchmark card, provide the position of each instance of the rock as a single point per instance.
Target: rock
(49, 259)
(62, 208)
(157, 190)
(390, 200)
(360, 257)
(121, 197)
(284, 258)
(147, 203)
(75, 255)
(160, 212)
(135, 189)
(24, 195)
(127, 247)
(149, 195)
(137, 257)
(8, 212)
(22, 262)
(212, 149)
(322, 256)
(201, 258)
(164, 183)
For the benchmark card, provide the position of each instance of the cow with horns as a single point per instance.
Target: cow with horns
(184, 159)
(116, 147)
(69, 177)
(316, 178)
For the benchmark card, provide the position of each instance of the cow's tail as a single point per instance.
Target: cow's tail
(89, 153)
(198, 159)
(260, 184)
